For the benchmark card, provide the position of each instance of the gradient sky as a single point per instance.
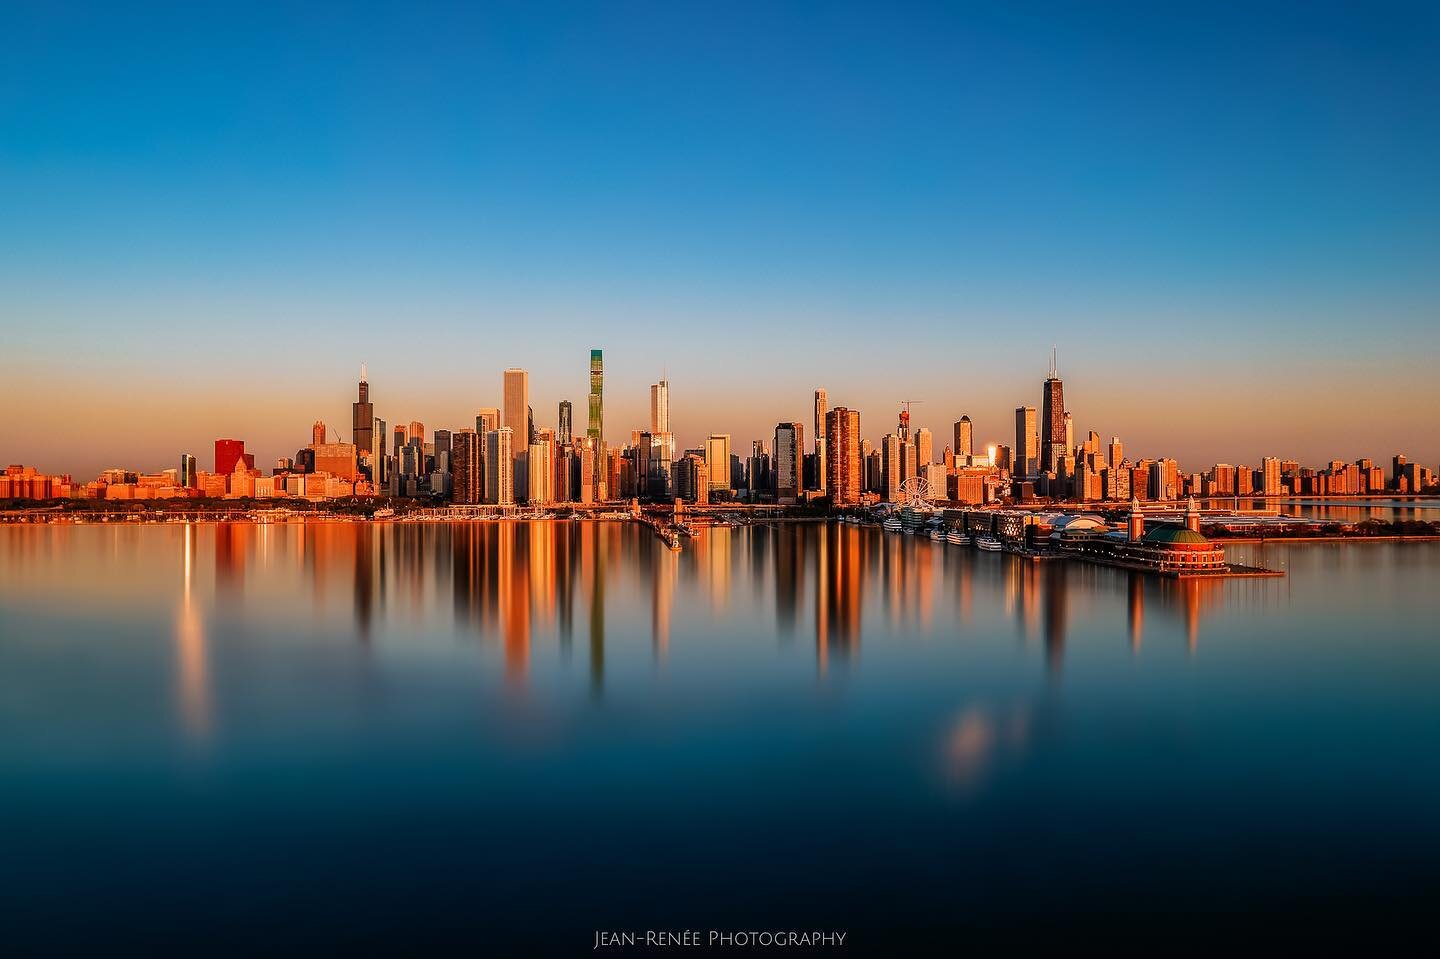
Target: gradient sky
(1224, 215)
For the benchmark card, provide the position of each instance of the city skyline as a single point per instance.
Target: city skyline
(1223, 221)
(987, 430)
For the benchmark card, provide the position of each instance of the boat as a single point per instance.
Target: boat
(937, 535)
(892, 525)
(957, 538)
(383, 513)
(988, 543)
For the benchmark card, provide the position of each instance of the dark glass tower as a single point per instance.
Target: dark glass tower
(362, 418)
(1052, 420)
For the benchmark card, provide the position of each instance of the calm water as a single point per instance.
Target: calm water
(467, 734)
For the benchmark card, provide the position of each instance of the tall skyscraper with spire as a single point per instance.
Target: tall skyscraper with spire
(362, 417)
(596, 428)
(1052, 420)
(662, 455)
(822, 405)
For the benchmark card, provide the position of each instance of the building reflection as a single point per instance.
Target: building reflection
(521, 585)
(192, 663)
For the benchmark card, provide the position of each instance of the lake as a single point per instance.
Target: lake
(482, 736)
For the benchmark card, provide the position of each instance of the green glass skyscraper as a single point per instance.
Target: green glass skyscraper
(596, 430)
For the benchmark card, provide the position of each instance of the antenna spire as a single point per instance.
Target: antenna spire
(1054, 371)
(364, 373)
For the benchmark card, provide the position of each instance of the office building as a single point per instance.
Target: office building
(186, 476)
(924, 450)
(362, 417)
(499, 469)
(789, 460)
(1053, 443)
(487, 420)
(822, 401)
(964, 439)
(1026, 442)
(842, 455)
(717, 461)
(595, 431)
(567, 413)
(465, 463)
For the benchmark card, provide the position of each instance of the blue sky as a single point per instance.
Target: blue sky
(1224, 215)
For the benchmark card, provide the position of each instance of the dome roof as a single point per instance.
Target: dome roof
(1174, 536)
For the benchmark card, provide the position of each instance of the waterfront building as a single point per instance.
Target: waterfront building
(499, 468)
(1270, 476)
(822, 405)
(362, 417)
(465, 462)
(717, 459)
(596, 428)
(1026, 442)
(540, 473)
(842, 455)
(789, 461)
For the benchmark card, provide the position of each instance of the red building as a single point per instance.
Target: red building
(230, 452)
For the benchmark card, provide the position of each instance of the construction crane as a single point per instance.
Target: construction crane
(905, 417)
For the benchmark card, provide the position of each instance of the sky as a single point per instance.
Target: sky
(1222, 215)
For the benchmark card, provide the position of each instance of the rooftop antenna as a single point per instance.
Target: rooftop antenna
(364, 373)
(1054, 373)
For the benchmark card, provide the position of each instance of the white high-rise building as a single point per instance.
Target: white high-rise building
(499, 467)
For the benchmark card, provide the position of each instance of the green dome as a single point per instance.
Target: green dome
(1174, 536)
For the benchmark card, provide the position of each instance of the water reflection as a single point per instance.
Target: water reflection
(518, 582)
(191, 656)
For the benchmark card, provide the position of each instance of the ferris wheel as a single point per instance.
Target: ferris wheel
(915, 493)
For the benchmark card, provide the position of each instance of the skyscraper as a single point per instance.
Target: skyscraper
(596, 428)
(789, 460)
(964, 437)
(890, 467)
(187, 476)
(567, 415)
(822, 405)
(499, 474)
(1026, 448)
(1053, 444)
(415, 432)
(362, 417)
(1117, 453)
(842, 455)
(318, 433)
(660, 407)
(717, 461)
(465, 465)
(515, 403)
(227, 453)
(924, 449)
(662, 456)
